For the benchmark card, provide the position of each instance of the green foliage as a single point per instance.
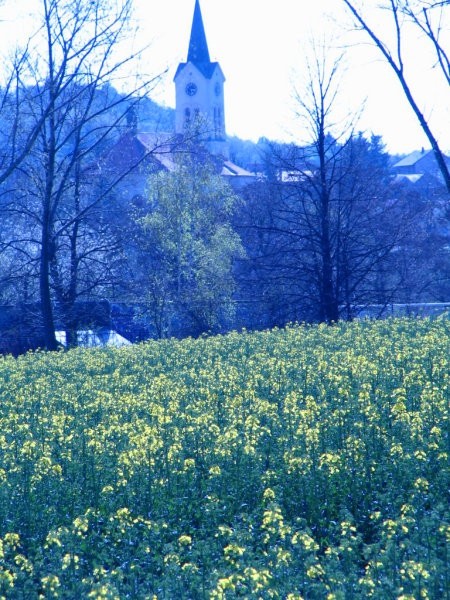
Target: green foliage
(311, 462)
(188, 235)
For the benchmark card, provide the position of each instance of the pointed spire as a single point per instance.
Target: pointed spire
(198, 46)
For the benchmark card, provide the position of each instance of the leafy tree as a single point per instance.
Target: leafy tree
(188, 247)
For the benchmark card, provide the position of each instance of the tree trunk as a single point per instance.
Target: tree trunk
(48, 324)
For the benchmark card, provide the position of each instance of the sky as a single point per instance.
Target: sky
(262, 47)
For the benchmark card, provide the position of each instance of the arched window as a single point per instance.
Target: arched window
(217, 121)
(187, 117)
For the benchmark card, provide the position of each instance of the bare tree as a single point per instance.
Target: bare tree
(330, 226)
(429, 18)
(74, 114)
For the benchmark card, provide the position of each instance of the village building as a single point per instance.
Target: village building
(199, 118)
(419, 166)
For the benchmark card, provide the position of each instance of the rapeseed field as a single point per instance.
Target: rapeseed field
(305, 463)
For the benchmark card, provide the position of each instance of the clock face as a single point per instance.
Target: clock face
(191, 89)
(217, 89)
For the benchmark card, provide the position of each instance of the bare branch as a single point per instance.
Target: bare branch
(395, 61)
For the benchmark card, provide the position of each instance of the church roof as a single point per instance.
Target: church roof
(198, 46)
(206, 69)
(198, 53)
(147, 153)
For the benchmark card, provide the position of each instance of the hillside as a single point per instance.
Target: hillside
(311, 462)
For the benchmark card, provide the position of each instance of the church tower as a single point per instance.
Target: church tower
(199, 90)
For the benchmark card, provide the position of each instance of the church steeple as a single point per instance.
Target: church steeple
(199, 86)
(198, 46)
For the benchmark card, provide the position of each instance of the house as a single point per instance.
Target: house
(417, 166)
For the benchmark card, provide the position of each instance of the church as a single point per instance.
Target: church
(199, 90)
(199, 113)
